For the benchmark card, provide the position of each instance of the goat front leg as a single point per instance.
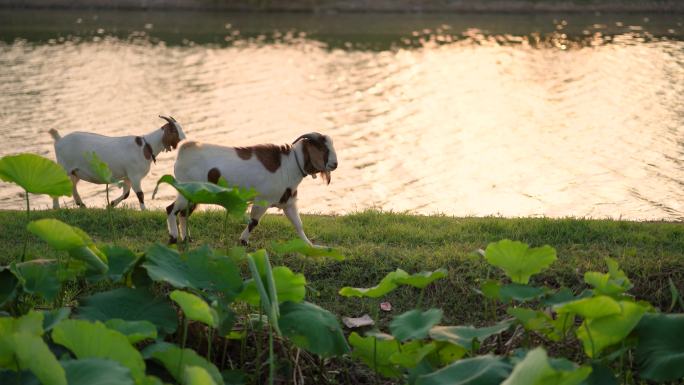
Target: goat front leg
(292, 214)
(135, 183)
(256, 214)
(74, 191)
(124, 195)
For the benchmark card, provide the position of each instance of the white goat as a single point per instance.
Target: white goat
(273, 171)
(128, 157)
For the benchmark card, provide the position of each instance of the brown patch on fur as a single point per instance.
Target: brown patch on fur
(169, 208)
(268, 154)
(147, 152)
(141, 196)
(170, 138)
(138, 141)
(252, 224)
(192, 208)
(213, 175)
(244, 152)
(286, 196)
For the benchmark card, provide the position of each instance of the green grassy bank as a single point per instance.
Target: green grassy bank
(376, 243)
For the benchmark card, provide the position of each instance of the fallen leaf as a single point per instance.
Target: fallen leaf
(358, 322)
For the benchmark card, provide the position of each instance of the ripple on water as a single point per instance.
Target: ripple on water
(476, 124)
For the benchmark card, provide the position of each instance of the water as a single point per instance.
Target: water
(513, 115)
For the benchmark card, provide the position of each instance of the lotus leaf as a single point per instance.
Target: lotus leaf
(301, 247)
(35, 174)
(613, 283)
(597, 334)
(660, 351)
(130, 305)
(422, 279)
(195, 308)
(198, 269)
(312, 328)
(8, 285)
(94, 340)
(289, 286)
(412, 353)
(39, 276)
(375, 353)
(96, 371)
(136, 331)
(29, 351)
(481, 370)
(592, 307)
(53, 317)
(415, 324)
(177, 360)
(99, 168)
(234, 200)
(465, 336)
(196, 375)
(536, 369)
(386, 285)
(518, 260)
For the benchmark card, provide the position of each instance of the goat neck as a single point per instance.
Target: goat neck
(294, 165)
(154, 139)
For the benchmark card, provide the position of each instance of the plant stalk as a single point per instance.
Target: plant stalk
(28, 220)
(185, 335)
(271, 357)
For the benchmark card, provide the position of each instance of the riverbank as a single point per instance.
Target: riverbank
(344, 6)
(375, 243)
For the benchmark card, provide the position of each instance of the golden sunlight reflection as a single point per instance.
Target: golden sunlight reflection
(486, 125)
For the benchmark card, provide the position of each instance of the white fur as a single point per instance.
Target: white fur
(122, 154)
(196, 159)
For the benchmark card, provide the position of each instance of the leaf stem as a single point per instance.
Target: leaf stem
(591, 340)
(271, 357)
(185, 335)
(28, 219)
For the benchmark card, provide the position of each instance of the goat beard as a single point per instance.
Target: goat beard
(325, 175)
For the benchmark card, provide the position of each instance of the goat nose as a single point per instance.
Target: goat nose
(333, 166)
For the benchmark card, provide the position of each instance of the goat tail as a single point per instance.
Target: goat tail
(55, 135)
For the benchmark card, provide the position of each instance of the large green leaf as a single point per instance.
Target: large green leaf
(195, 308)
(536, 369)
(465, 336)
(22, 347)
(613, 283)
(422, 279)
(481, 370)
(514, 291)
(39, 276)
(592, 307)
(541, 322)
(135, 331)
(121, 261)
(597, 334)
(414, 324)
(232, 199)
(518, 260)
(99, 168)
(30, 352)
(199, 269)
(660, 351)
(177, 360)
(55, 316)
(312, 328)
(386, 285)
(8, 285)
(96, 371)
(289, 286)
(412, 353)
(375, 353)
(61, 236)
(94, 340)
(299, 246)
(130, 305)
(35, 174)
(195, 375)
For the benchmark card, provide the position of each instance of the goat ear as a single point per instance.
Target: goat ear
(315, 155)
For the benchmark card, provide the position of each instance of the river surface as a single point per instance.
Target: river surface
(473, 114)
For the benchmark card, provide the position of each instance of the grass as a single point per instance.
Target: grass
(376, 243)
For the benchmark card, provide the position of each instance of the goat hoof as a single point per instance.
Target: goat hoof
(172, 240)
(81, 205)
(189, 239)
(243, 242)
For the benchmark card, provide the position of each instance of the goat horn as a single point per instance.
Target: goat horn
(313, 136)
(170, 120)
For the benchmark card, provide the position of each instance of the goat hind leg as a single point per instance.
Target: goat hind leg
(124, 195)
(256, 214)
(74, 191)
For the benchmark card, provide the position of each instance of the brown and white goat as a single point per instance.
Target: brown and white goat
(128, 157)
(273, 171)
